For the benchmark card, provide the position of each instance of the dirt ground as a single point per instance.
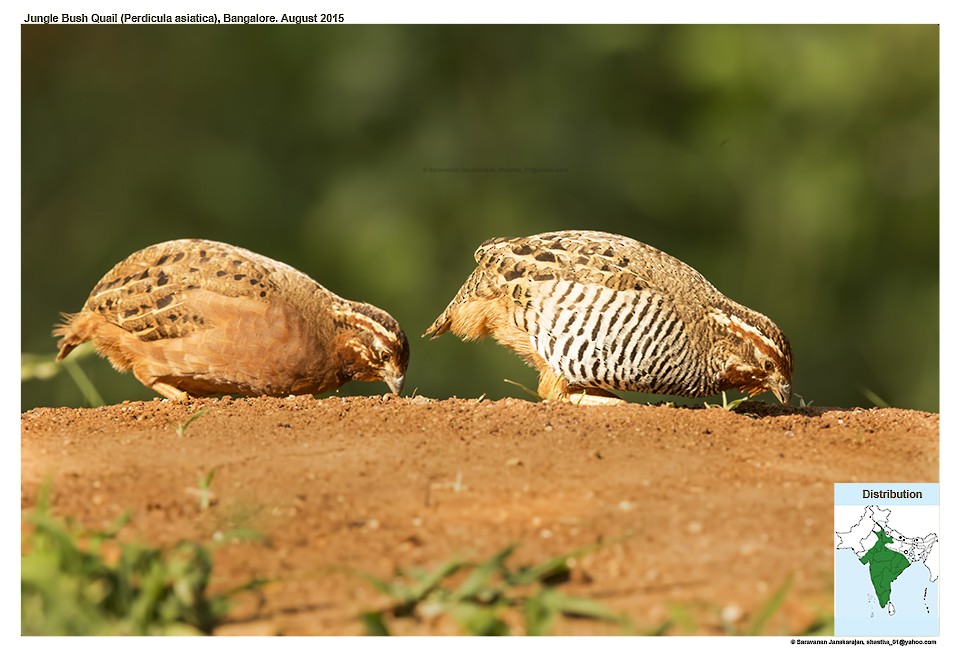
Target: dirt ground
(706, 513)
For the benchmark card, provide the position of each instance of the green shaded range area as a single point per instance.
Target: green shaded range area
(886, 565)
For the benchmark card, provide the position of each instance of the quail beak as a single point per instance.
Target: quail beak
(394, 381)
(781, 390)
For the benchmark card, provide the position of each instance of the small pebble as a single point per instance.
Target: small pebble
(731, 613)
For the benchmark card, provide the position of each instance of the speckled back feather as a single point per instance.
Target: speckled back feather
(147, 293)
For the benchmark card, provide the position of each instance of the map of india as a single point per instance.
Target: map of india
(886, 552)
(885, 564)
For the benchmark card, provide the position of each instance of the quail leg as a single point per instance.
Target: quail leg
(170, 392)
(551, 385)
(554, 387)
(163, 389)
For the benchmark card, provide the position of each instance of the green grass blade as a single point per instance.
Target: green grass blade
(40, 367)
(770, 607)
(182, 428)
(680, 616)
(374, 625)
(115, 527)
(538, 616)
(536, 397)
(84, 384)
(822, 626)
(69, 588)
(656, 631)
(432, 580)
(238, 533)
(874, 398)
(579, 607)
(478, 620)
(395, 590)
(553, 569)
(479, 578)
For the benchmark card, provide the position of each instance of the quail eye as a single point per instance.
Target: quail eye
(767, 366)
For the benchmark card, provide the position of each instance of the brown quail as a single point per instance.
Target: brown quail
(593, 311)
(205, 318)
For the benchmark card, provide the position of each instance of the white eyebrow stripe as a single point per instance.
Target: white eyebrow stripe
(744, 328)
(370, 324)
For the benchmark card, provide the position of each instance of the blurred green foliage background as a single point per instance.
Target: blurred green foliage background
(796, 167)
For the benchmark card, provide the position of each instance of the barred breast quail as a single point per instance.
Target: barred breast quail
(205, 318)
(593, 312)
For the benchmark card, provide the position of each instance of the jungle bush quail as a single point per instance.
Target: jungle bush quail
(204, 318)
(593, 311)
